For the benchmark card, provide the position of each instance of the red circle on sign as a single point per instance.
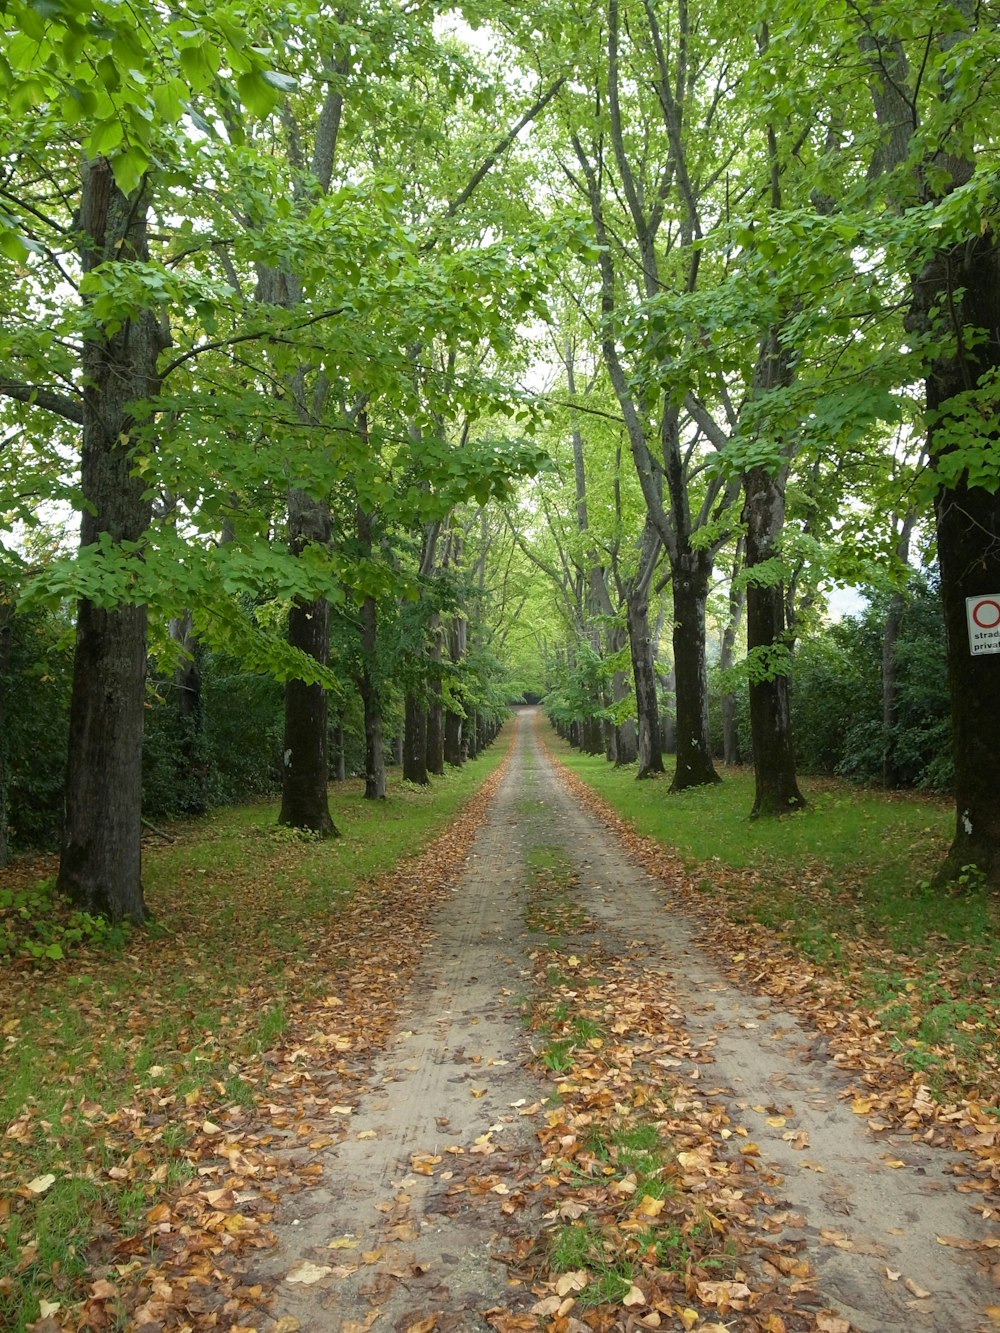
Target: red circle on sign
(992, 613)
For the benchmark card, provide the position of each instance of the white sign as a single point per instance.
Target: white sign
(983, 614)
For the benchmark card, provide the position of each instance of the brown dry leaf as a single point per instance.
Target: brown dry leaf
(915, 1289)
(423, 1325)
(958, 1242)
(829, 1322)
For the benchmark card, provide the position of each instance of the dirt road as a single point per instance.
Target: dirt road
(398, 1237)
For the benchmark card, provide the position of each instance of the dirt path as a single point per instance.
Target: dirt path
(403, 1233)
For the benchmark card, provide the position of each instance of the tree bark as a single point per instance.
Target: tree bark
(100, 867)
(650, 751)
(966, 281)
(435, 708)
(776, 788)
(305, 771)
(690, 577)
(415, 740)
(737, 598)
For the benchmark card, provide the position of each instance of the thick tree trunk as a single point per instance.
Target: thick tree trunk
(304, 800)
(372, 704)
(966, 281)
(415, 741)
(690, 575)
(305, 773)
(650, 752)
(100, 865)
(776, 791)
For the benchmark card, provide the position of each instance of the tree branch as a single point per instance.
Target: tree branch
(36, 396)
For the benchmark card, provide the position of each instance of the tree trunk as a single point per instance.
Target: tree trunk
(100, 867)
(340, 756)
(737, 598)
(371, 702)
(776, 790)
(452, 739)
(690, 574)
(650, 752)
(966, 281)
(304, 799)
(415, 741)
(435, 708)
(305, 772)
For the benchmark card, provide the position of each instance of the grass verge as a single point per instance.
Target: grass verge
(137, 1063)
(833, 906)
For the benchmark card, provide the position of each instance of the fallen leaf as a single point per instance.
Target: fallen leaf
(342, 1243)
(41, 1183)
(286, 1324)
(571, 1282)
(634, 1295)
(47, 1308)
(827, 1322)
(423, 1325)
(915, 1289)
(307, 1273)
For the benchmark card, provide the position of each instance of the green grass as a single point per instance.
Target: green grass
(239, 905)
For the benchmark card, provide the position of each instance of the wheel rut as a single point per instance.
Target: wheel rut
(404, 1232)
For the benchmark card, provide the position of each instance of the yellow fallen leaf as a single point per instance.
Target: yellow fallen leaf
(368, 1134)
(650, 1207)
(47, 1308)
(423, 1325)
(370, 1257)
(478, 1092)
(342, 1243)
(687, 1316)
(41, 1183)
(993, 1312)
(634, 1296)
(286, 1324)
(892, 1275)
(307, 1273)
(210, 1127)
(862, 1105)
(776, 1121)
(568, 1282)
(341, 1110)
